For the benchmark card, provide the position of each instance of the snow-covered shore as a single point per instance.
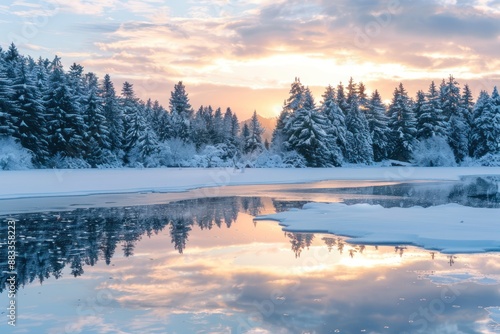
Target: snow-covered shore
(43, 183)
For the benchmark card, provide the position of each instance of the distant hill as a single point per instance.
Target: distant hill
(267, 123)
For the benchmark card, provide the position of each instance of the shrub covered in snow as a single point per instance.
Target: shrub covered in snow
(268, 159)
(213, 156)
(490, 160)
(112, 161)
(13, 156)
(61, 162)
(292, 159)
(176, 153)
(433, 152)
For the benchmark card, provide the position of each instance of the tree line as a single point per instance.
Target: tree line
(52, 118)
(442, 126)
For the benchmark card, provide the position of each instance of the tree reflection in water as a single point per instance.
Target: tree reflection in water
(48, 242)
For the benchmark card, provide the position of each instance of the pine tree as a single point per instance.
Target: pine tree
(359, 141)
(12, 54)
(296, 98)
(308, 136)
(132, 119)
(336, 127)
(467, 101)
(160, 121)
(7, 106)
(430, 119)
(486, 127)
(217, 130)
(290, 106)
(231, 129)
(402, 123)
(97, 133)
(235, 130)
(147, 146)
(341, 99)
(181, 111)
(278, 136)
(245, 137)
(31, 123)
(65, 122)
(450, 97)
(199, 128)
(114, 116)
(142, 140)
(378, 126)
(253, 142)
(363, 98)
(456, 117)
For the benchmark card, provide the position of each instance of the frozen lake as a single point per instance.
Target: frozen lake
(164, 263)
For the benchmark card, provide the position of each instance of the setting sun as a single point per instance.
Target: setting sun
(277, 110)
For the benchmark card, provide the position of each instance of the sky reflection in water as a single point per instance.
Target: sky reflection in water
(205, 266)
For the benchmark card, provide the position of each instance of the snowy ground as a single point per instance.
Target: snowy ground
(42, 183)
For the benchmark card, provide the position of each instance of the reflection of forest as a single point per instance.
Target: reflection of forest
(47, 242)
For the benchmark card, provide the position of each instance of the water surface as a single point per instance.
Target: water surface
(205, 266)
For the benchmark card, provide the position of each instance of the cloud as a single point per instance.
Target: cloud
(264, 44)
(84, 7)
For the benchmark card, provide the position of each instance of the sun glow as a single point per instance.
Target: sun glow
(277, 110)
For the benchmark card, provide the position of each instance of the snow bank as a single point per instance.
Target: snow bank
(41, 183)
(447, 228)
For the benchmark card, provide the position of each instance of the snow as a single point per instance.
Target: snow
(65, 182)
(450, 228)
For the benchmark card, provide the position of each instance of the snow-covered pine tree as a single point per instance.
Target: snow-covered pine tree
(230, 127)
(97, 134)
(114, 116)
(253, 142)
(199, 128)
(66, 127)
(450, 97)
(7, 106)
(76, 81)
(30, 119)
(217, 133)
(278, 136)
(132, 119)
(422, 118)
(336, 127)
(378, 126)
(402, 123)
(359, 141)
(456, 118)
(467, 101)
(296, 98)
(12, 54)
(142, 140)
(147, 147)
(227, 124)
(181, 111)
(486, 126)
(160, 121)
(363, 97)
(430, 119)
(308, 135)
(290, 106)
(341, 99)
(245, 136)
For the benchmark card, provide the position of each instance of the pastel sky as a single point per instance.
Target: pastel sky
(245, 53)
